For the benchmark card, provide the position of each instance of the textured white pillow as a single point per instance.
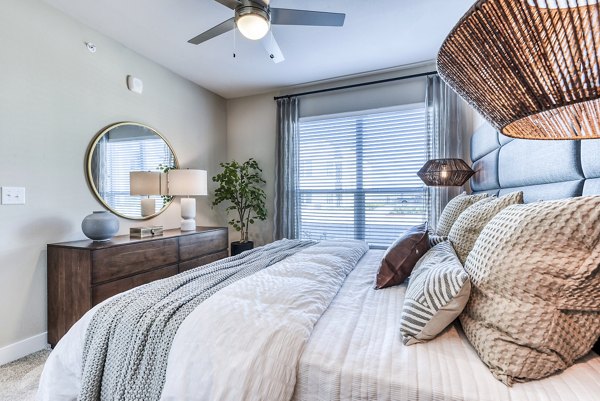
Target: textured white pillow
(468, 225)
(453, 209)
(535, 302)
(437, 292)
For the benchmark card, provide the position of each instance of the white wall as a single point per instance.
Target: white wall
(54, 97)
(365, 98)
(251, 129)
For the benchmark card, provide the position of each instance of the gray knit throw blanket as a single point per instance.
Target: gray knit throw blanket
(128, 340)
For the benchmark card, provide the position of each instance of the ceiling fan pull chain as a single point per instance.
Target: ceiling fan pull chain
(234, 41)
(272, 40)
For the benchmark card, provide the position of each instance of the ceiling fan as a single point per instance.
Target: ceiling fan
(253, 18)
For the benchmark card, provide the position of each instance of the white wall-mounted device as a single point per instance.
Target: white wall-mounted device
(13, 195)
(134, 84)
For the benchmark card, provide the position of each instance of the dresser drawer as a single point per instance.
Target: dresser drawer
(107, 290)
(126, 260)
(200, 244)
(201, 261)
(84, 273)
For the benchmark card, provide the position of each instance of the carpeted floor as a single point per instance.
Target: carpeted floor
(19, 379)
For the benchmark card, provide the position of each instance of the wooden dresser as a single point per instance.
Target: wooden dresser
(82, 274)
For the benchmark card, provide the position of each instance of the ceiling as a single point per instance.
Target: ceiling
(377, 35)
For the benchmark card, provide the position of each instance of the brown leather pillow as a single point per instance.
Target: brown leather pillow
(401, 257)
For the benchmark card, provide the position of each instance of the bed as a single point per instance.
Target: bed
(311, 326)
(354, 353)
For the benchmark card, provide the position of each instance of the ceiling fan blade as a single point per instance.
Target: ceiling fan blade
(223, 27)
(229, 3)
(285, 16)
(272, 48)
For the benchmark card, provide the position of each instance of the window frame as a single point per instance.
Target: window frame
(359, 191)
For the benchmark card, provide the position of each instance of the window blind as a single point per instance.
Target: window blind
(124, 156)
(358, 175)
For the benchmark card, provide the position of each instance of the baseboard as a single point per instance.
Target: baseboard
(23, 348)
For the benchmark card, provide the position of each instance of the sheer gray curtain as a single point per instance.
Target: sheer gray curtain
(286, 169)
(446, 126)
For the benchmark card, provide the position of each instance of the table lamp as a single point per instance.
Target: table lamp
(187, 183)
(146, 183)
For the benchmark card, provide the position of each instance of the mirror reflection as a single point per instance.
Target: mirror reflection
(121, 153)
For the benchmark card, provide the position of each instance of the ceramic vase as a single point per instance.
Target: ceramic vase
(100, 226)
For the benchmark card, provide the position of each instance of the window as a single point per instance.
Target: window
(131, 154)
(358, 175)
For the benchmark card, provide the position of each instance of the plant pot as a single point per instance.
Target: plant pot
(238, 247)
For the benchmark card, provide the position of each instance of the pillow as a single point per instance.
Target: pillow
(436, 239)
(437, 292)
(535, 302)
(401, 257)
(453, 209)
(469, 224)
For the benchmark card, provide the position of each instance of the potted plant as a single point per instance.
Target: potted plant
(240, 185)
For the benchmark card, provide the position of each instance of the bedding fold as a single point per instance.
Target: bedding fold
(245, 342)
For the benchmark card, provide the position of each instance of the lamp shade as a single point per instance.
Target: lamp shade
(445, 173)
(253, 22)
(147, 183)
(530, 67)
(253, 27)
(188, 182)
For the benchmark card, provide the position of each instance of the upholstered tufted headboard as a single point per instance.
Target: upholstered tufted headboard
(543, 170)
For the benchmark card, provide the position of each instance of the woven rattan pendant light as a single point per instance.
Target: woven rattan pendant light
(445, 173)
(530, 67)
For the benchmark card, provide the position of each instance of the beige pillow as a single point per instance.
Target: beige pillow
(535, 302)
(437, 292)
(469, 224)
(453, 209)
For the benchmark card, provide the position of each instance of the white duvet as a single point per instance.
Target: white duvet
(249, 342)
(244, 342)
(355, 353)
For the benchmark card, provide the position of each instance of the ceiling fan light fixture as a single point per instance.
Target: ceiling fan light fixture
(253, 23)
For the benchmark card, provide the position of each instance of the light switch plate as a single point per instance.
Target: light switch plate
(13, 195)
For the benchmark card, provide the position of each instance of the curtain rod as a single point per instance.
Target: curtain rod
(337, 88)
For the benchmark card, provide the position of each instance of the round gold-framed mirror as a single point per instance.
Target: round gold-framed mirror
(125, 163)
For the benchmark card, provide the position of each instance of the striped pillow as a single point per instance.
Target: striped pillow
(436, 239)
(437, 292)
